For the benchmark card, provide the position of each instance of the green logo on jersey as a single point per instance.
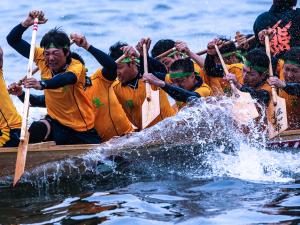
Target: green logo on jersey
(65, 88)
(97, 103)
(129, 104)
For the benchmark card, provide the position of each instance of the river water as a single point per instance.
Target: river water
(195, 168)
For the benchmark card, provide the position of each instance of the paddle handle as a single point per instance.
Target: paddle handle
(29, 75)
(121, 58)
(34, 71)
(164, 54)
(271, 74)
(233, 87)
(226, 43)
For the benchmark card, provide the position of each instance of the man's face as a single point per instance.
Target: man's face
(291, 73)
(167, 61)
(126, 71)
(251, 77)
(187, 83)
(55, 58)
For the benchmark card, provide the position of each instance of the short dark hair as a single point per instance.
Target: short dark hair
(57, 37)
(115, 50)
(185, 65)
(162, 46)
(228, 47)
(293, 55)
(258, 57)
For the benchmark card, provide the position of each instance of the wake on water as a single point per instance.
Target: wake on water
(201, 142)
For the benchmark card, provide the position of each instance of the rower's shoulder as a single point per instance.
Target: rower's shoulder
(116, 83)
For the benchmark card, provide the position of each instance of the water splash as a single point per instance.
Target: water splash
(201, 141)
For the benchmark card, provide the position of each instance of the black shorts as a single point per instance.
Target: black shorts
(63, 135)
(9, 137)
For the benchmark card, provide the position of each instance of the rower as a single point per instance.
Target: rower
(185, 84)
(182, 51)
(130, 89)
(289, 85)
(37, 101)
(10, 120)
(281, 23)
(214, 69)
(255, 75)
(110, 118)
(70, 113)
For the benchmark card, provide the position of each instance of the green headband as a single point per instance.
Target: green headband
(52, 45)
(292, 63)
(129, 60)
(237, 53)
(183, 55)
(258, 69)
(180, 75)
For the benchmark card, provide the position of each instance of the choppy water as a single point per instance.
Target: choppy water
(196, 168)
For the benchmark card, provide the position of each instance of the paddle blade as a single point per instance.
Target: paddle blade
(244, 109)
(21, 158)
(277, 117)
(150, 108)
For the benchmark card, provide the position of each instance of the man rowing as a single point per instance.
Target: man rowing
(181, 51)
(10, 120)
(282, 23)
(69, 112)
(214, 70)
(131, 90)
(289, 85)
(110, 118)
(255, 75)
(184, 83)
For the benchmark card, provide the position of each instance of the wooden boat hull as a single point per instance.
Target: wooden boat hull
(39, 154)
(288, 139)
(42, 153)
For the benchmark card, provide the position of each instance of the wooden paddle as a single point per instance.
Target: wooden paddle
(151, 105)
(276, 112)
(244, 108)
(226, 43)
(24, 137)
(164, 54)
(121, 58)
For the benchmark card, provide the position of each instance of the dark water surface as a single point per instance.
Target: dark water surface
(196, 168)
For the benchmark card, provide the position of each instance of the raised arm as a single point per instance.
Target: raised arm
(14, 38)
(109, 70)
(179, 94)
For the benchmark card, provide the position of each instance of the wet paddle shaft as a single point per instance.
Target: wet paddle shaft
(151, 106)
(24, 137)
(244, 109)
(276, 112)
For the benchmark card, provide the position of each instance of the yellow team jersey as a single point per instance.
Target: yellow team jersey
(220, 86)
(292, 102)
(110, 118)
(132, 101)
(69, 105)
(203, 91)
(9, 117)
